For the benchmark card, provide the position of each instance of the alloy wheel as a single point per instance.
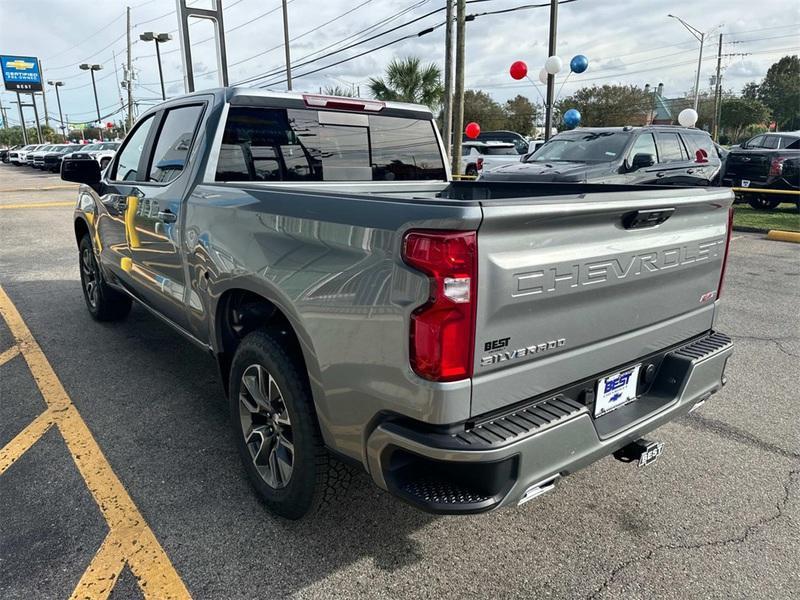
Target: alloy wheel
(266, 426)
(89, 273)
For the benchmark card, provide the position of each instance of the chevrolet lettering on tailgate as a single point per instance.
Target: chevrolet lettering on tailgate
(560, 278)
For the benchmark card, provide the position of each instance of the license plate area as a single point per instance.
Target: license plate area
(616, 390)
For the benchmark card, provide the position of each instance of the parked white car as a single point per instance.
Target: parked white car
(477, 157)
(20, 157)
(102, 152)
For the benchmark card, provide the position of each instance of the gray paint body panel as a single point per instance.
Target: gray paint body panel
(328, 255)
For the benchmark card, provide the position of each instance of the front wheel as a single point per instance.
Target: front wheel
(275, 428)
(762, 202)
(104, 303)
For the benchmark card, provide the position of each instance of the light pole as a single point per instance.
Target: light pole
(158, 38)
(700, 37)
(92, 69)
(58, 84)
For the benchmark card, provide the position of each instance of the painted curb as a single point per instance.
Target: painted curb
(779, 235)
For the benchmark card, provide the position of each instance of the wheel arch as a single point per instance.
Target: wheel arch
(81, 228)
(243, 308)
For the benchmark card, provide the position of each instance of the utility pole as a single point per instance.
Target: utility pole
(458, 122)
(5, 115)
(128, 73)
(22, 119)
(448, 77)
(44, 97)
(36, 116)
(286, 46)
(717, 91)
(551, 79)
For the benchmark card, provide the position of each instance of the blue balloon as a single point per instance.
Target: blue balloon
(579, 63)
(571, 118)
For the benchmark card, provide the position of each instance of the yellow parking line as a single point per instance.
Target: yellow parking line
(132, 537)
(24, 440)
(8, 355)
(36, 205)
(100, 577)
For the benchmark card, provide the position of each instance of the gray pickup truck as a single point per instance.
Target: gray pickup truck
(466, 343)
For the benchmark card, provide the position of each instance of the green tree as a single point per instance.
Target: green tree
(750, 90)
(408, 80)
(521, 115)
(780, 91)
(336, 90)
(740, 114)
(608, 105)
(481, 108)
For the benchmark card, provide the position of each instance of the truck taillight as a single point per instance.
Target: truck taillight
(443, 329)
(725, 254)
(479, 163)
(776, 165)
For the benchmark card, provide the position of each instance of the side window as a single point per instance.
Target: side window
(128, 163)
(791, 143)
(756, 142)
(670, 147)
(174, 143)
(771, 141)
(699, 142)
(259, 144)
(644, 144)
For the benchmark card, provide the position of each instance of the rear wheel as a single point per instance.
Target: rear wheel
(104, 303)
(275, 428)
(471, 170)
(762, 202)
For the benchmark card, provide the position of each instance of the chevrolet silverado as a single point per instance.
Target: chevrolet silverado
(466, 343)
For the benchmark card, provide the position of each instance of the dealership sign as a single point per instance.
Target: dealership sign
(21, 73)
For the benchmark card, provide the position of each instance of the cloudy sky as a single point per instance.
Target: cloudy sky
(627, 41)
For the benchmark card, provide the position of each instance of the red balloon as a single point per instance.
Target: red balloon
(518, 69)
(472, 130)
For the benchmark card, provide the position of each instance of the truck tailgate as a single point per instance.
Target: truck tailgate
(568, 289)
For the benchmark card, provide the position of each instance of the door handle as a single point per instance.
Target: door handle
(660, 174)
(167, 216)
(690, 171)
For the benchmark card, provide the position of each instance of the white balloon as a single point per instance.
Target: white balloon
(543, 76)
(687, 117)
(552, 65)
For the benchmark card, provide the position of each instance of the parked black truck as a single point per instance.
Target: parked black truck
(768, 161)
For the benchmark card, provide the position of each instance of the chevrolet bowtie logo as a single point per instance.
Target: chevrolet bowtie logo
(20, 64)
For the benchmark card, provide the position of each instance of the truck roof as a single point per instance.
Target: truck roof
(257, 96)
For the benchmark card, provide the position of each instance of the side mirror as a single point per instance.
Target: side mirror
(81, 171)
(642, 160)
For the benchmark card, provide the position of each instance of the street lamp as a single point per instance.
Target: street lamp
(58, 84)
(92, 69)
(158, 38)
(700, 37)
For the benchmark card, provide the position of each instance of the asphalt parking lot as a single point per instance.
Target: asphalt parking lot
(118, 477)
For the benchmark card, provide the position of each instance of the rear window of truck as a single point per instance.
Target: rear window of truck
(269, 144)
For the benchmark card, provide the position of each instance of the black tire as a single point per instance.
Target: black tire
(314, 474)
(471, 170)
(104, 303)
(104, 163)
(762, 202)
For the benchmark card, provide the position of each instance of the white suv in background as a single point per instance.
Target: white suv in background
(102, 152)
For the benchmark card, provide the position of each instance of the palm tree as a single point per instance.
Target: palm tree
(407, 80)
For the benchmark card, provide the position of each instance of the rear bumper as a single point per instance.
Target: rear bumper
(480, 466)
